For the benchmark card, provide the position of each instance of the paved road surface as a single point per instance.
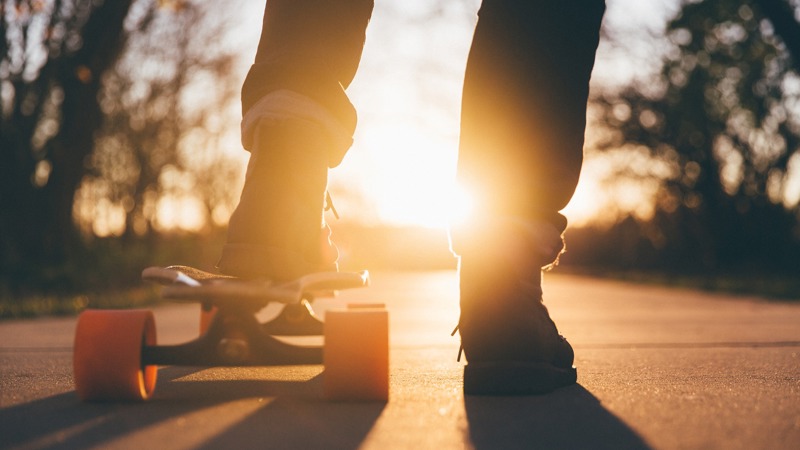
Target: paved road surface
(657, 368)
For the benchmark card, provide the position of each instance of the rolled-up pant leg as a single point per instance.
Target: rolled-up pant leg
(311, 47)
(297, 123)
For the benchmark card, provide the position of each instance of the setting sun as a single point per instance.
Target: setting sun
(405, 176)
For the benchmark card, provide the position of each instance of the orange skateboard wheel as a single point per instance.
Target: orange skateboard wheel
(356, 354)
(107, 358)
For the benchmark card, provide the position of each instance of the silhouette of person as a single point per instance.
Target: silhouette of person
(521, 147)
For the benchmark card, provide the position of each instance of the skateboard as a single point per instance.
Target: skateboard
(116, 354)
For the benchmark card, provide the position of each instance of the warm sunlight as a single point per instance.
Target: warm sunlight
(405, 176)
(179, 212)
(590, 203)
(401, 168)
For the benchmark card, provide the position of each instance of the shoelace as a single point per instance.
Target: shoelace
(460, 347)
(329, 205)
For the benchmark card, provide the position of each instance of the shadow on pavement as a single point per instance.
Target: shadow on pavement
(294, 417)
(291, 422)
(568, 418)
(63, 421)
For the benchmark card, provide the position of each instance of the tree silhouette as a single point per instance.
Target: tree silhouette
(95, 103)
(52, 60)
(721, 123)
(166, 110)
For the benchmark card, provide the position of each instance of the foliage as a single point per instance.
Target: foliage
(106, 275)
(721, 128)
(52, 58)
(166, 110)
(107, 108)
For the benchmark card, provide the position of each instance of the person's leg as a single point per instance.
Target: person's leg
(297, 123)
(522, 127)
(313, 48)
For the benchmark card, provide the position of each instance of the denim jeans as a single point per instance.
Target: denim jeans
(524, 99)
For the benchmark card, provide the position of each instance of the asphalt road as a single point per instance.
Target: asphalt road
(658, 368)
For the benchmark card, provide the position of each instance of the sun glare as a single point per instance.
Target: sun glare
(462, 205)
(409, 177)
(179, 213)
(587, 204)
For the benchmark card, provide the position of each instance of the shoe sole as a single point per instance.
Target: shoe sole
(515, 378)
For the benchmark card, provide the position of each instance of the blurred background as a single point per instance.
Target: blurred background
(119, 138)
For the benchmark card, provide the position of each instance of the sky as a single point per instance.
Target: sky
(401, 168)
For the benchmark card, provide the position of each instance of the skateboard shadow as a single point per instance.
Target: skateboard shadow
(301, 423)
(295, 416)
(568, 418)
(63, 421)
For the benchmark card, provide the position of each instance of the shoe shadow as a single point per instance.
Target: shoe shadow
(291, 415)
(568, 418)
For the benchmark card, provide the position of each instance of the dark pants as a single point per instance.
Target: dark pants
(525, 89)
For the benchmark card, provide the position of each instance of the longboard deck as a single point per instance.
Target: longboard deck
(183, 283)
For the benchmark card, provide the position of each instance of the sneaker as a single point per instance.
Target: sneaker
(511, 344)
(277, 231)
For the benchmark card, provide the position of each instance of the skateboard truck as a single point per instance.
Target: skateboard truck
(116, 354)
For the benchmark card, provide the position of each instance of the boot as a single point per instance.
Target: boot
(278, 231)
(511, 344)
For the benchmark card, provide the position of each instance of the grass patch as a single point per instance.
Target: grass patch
(106, 274)
(38, 305)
